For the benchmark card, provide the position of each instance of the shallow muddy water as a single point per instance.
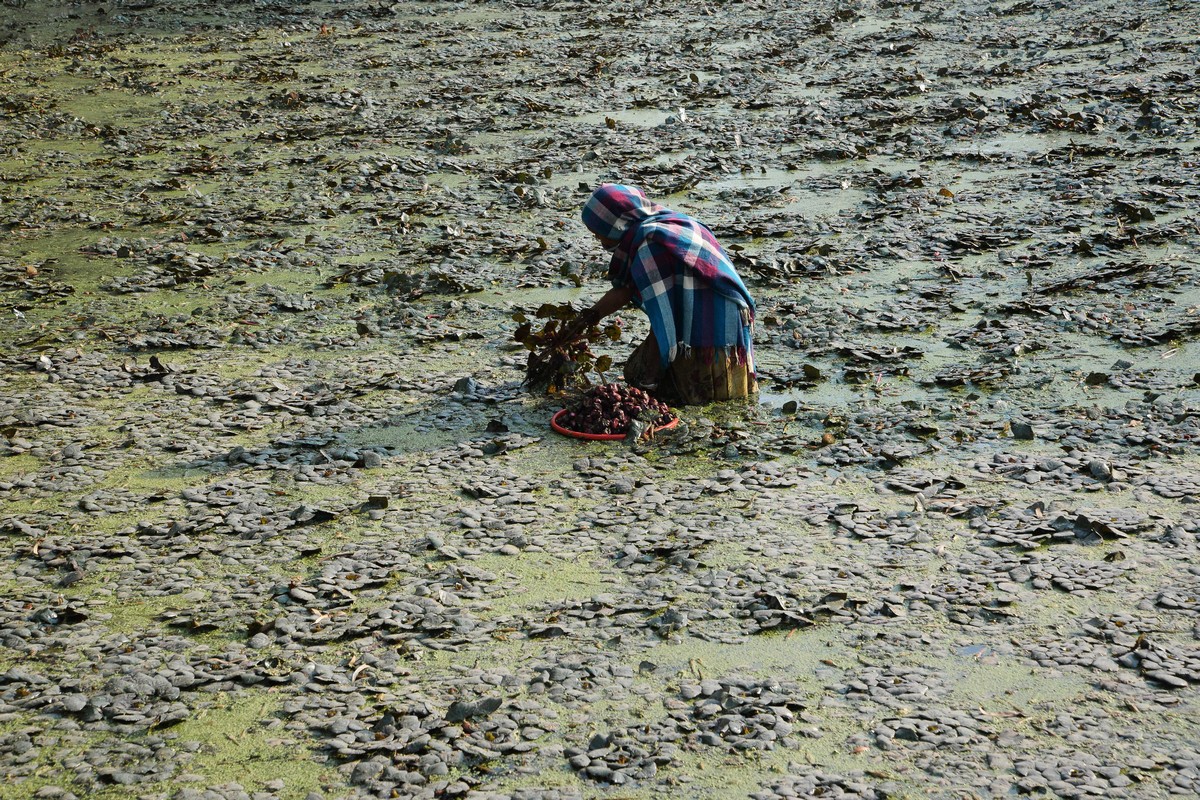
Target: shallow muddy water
(278, 519)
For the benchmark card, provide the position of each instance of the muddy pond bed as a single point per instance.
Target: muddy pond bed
(278, 520)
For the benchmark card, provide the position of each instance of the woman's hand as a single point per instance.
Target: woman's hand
(586, 319)
(612, 301)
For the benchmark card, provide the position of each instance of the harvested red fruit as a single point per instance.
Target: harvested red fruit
(611, 407)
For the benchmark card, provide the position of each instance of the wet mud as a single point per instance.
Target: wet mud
(278, 520)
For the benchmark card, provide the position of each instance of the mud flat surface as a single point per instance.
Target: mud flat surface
(278, 522)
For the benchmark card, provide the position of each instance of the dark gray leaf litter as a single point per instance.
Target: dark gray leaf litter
(280, 521)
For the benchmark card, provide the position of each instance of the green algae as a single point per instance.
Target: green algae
(239, 744)
(23, 789)
(141, 477)
(406, 438)
(715, 777)
(63, 247)
(227, 753)
(532, 580)
(559, 777)
(19, 466)
(28, 508)
(799, 655)
(138, 615)
(1004, 686)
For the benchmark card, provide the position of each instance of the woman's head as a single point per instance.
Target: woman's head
(613, 209)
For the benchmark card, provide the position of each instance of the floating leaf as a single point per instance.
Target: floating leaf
(462, 710)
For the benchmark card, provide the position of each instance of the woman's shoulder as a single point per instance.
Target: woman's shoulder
(676, 227)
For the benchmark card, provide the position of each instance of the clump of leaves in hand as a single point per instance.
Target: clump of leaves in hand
(560, 353)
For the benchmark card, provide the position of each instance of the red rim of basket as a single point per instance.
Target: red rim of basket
(600, 436)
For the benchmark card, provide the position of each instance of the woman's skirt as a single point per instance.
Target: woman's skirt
(690, 379)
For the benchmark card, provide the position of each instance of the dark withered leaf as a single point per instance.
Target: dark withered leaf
(307, 515)
(461, 710)
(259, 626)
(71, 616)
(834, 599)
(547, 632)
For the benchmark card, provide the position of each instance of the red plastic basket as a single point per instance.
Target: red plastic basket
(600, 436)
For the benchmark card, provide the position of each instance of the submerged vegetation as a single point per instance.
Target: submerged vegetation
(278, 517)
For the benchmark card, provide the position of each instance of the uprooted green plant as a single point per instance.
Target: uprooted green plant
(560, 353)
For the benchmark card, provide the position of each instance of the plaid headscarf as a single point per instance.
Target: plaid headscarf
(684, 281)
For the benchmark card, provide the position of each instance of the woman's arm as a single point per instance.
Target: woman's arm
(612, 301)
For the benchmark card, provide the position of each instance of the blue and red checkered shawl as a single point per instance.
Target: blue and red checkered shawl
(683, 279)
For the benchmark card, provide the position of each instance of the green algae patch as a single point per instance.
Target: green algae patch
(111, 523)
(404, 438)
(163, 479)
(797, 656)
(556, 452)
(104, 107)
(561, 778)
(28, 509)
(1053, 607)
(540, 579)
(7, 663)
(61, 254)
(24, 789)
(136, 616)
(18, 466)
(306, 281)
(159, 481)
(243, 742)
(1003, 687)
(716, 776)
